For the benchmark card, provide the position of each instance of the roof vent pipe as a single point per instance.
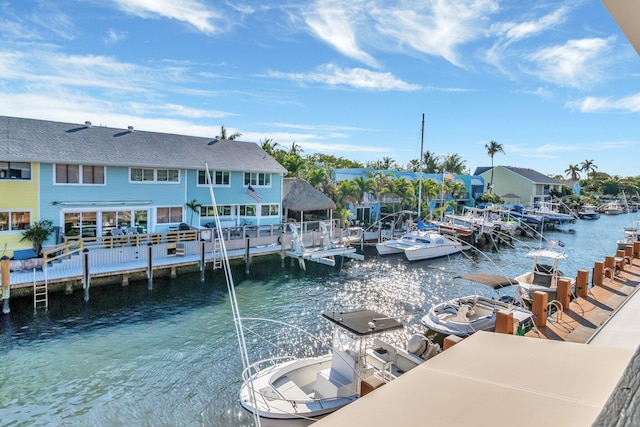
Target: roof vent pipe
(87, 124)
(130, 128)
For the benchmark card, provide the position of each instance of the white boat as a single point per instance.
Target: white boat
(631, 235)
(294, 389)
(472, 313)
(397, 246)
(544, 274)
(433, 245)
(588, 212)
(612, 208)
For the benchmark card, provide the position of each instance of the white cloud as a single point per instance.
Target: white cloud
(357, 78)
(512, 31)
(438, 28)
(335, 23)
(191, 12)
(576, 63)
(592, 104)
(113, 37)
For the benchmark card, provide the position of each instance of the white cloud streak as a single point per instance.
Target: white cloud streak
(593, 104)
(191, 12)
(358, 78)
(576, 63)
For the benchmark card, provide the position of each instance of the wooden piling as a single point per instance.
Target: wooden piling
(504, 322)
(628, 251)
(563, 293)
(450, 341)
(598, 273)
(150, 266)
(539, 308)
(636, 249)
(620, 259)
(582, 283)
(86, 277)
(6, 283)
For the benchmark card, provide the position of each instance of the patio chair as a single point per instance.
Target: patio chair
(132, 230)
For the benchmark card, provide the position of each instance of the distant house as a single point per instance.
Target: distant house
(369, 210)
(519, 185)
(89, 180)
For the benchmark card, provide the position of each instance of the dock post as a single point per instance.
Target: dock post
(247, 257)
(539, 308)
(609, 266)
(150, 266)
(582, 283)
(598, 274)
(504, 322)
(6, 284)
(86, 277)
(450, 341)
(203, 264)
(628, 251)
(620, 259)
(636, 249)
(563, 293)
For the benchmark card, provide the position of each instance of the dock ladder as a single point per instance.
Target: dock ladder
(40, 293)
(217, 253)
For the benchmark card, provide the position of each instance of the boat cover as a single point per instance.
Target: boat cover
(360, 321)
(496, 281)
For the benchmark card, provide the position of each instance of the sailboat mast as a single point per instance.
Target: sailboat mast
(420, 168)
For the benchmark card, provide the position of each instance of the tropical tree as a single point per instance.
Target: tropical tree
(492, 149)
(295, 149)
(589, 168)
(413, 165)
(430, 162)
(193, 206)
(270, 146)
(37, 233)
(363, 186)
(573, 172)
(453, 163)
(223, 134)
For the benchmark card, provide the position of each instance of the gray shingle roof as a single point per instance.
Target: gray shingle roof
(30, 140)
(530, 174)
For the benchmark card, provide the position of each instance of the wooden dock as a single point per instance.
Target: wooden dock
(584, 315)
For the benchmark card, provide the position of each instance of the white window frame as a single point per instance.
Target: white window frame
(155, 179)
(253, 179)
(214, 178)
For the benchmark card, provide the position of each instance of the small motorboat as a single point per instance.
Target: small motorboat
(544, 274)
(288, 388)
(466, 315)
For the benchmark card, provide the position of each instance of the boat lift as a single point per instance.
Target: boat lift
(324, 254)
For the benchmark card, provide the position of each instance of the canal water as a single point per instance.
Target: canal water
(170, 356)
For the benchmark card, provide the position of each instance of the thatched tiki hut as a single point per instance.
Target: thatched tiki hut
(301, 201)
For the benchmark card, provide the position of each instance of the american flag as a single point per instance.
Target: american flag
(447, 175)
(250, 191)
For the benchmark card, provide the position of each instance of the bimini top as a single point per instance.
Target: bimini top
(362, 321)
(546, 253)
(496, 281)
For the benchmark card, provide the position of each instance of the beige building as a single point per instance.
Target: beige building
(519, 185)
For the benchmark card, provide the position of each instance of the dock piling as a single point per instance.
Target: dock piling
(582, 283)
(86, 277)
(6, 284)
(150, 266)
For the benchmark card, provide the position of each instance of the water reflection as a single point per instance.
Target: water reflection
(170, 356)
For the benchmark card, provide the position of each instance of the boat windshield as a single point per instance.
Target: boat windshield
(346, 342)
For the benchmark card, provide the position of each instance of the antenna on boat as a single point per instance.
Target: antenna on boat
(237, 321)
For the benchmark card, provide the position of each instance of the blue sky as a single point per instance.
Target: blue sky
(554, 82)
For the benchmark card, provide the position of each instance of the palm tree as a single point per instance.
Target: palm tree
(573, 172)
(37, 233)
(453, 163)
(363, 186)
(194, 206)
(588, 167)
(270, 146)
(223, 134)
(414, 165)
(493, 148)
(295, 149)
(430, 162)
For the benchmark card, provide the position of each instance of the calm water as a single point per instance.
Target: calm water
(169, 357)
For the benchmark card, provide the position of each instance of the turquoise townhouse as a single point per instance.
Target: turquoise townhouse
(94, 181)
